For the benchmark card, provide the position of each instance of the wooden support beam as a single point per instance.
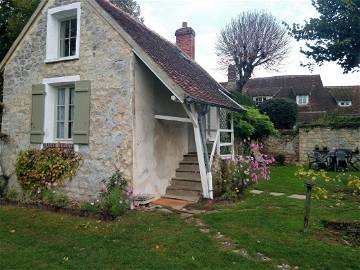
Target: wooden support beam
(173, 118)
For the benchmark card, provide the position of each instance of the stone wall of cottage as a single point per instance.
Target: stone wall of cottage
(327, 137)
(107, 61)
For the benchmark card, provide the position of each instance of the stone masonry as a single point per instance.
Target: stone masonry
(327, 137)
(105, 59)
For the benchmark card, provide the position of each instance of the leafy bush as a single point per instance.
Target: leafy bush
(233, 176)
(41, 170)
(55, 198)
(282, 112)
(334, 121)
(242, 99)
(252, 124)
(115, 197)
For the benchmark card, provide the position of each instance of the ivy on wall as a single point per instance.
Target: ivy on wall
(335, 121)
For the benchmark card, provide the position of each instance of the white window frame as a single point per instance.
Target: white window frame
(344, 103)
(260, 99)
(54, 18)
(300, 102)
(51, 87)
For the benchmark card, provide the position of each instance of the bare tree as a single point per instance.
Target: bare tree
(250, 40)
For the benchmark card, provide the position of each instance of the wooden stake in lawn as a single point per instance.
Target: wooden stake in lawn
(309, 185)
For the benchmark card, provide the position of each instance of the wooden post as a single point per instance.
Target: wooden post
(309, 185)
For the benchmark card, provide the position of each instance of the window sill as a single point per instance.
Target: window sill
(62, 59)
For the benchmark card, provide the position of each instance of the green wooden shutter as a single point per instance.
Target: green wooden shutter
(82, 112)
(37, 114)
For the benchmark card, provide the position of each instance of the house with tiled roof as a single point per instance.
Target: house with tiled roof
(85, 75)
(312, 97)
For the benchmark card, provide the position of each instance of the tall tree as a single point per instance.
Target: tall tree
(130, 7)
(13, 16)
(334, 36)
(250, 40)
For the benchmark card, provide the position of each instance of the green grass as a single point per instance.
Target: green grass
(140, 240)
(283, 180)
(35, 239)
(274, 225)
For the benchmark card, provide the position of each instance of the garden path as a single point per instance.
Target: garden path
(277, 194)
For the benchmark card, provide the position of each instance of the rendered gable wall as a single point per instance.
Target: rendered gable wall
(107, 61)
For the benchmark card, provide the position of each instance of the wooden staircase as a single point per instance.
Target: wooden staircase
(186, 185)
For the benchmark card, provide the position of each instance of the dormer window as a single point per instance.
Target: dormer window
(260, 99)
(63, 33)
(302, 100)
(344, 103)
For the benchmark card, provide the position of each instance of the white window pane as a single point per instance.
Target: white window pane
(72, 46)
(60, 130)
(61, 96)
(60, 113)
(73, 28)
(64, 30)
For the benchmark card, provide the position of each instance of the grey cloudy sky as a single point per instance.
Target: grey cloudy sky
(207, 17)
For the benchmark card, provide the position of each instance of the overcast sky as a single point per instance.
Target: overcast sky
(207, 17)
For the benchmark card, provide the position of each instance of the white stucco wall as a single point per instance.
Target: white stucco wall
(159, 145)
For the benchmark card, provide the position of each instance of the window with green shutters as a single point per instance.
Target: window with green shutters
(67, 113)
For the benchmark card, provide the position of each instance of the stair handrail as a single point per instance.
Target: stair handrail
(214, 147)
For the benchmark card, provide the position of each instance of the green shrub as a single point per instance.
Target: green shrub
(55, 198)
(41, 170)
(252, 124)
(282, 112)
(115, 198)
(242, 99)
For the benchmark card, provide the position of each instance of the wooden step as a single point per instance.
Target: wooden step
(189, 162)
(186, 185)
(188, 175)
(181, 194)
(190, 159)
(191, 179)
(188, 168)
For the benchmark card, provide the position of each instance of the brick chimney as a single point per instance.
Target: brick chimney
(185, 40)
(232, 73)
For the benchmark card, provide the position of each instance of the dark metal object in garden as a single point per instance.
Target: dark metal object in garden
(309, 185)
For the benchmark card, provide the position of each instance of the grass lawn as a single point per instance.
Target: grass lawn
(273, 225)
(35, 239)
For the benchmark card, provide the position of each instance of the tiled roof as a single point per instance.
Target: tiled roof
(186, 73)
(296, 84)
(344, 93)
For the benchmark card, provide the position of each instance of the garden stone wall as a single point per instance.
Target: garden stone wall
(107, 61)
(326, 137)
(283, 144)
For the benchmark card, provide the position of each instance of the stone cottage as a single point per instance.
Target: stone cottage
(85, 74)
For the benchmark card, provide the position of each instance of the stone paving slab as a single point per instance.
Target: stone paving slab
(297, 196)
(172, 203)
(255, 191)
(276, 194)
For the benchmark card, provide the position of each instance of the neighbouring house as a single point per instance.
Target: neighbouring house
(86, 75)
(313, 99)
